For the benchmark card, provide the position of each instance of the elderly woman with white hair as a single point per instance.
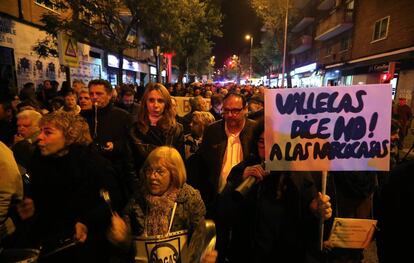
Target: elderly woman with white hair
(26, 136)
(166, 217)
(27, 125)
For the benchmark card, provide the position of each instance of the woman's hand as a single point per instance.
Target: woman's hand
(119, 231)
(321, 206)
(81, 232)
(209, 257)
(109, 146)
(17, 138)
(255, 171)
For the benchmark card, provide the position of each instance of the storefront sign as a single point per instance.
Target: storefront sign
(153, 70)
(307, 68)
(378, 68)
(130, 65)
(328, 128)
(113, 61)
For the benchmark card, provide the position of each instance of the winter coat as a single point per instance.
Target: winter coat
(112, 125)
(189, 215)
(211, 155)
(143, 144)
(66, 190)
(273, 221)
(11, 190)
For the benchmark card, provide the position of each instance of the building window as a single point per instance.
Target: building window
(350, 5)
(49, 4)
(344, 44)
(329, 50)
(381, 29)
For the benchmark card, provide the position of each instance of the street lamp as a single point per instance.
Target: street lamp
(251, 47)
(211, 64)
(284, 44)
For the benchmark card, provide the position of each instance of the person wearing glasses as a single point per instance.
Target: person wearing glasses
(164, 222)
(225, 143)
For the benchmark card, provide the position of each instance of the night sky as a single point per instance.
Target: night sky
(239, 20)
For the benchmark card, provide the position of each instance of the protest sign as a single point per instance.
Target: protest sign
(328, 129)
(351, 233)
(184, 107)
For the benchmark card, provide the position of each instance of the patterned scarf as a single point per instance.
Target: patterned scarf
(160, 208)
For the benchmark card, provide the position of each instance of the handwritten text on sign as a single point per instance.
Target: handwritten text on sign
(328, 129)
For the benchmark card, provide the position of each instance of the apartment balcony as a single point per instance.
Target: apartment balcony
(339, 21)
(300, 3)
(326, 4)
(335, 58)
(301, 44)
(306, 21)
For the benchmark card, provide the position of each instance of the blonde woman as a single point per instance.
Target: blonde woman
(199, 121)
(156, 125)
(166, 217)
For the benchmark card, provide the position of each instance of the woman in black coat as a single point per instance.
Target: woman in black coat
(156, 125)
(65, 203)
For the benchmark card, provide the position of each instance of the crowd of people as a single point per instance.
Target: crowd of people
(116, 175)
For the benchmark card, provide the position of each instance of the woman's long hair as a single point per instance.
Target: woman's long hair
(167, 121)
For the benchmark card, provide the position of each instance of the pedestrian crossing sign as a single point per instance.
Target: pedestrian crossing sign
(68, 50)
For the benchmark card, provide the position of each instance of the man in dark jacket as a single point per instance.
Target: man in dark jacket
(225, 144)
(126, 102)
(216, 106)
(109, 127)
(256, 107)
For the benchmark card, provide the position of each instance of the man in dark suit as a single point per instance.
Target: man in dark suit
(225, 143)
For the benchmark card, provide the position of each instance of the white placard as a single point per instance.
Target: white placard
(351, 233)
(328, 128)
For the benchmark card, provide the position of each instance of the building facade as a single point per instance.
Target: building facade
(20, 32)
(350, 42)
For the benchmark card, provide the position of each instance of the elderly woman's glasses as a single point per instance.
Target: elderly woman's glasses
(158, 171)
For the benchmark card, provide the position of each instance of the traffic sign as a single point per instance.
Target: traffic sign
(68, 50)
